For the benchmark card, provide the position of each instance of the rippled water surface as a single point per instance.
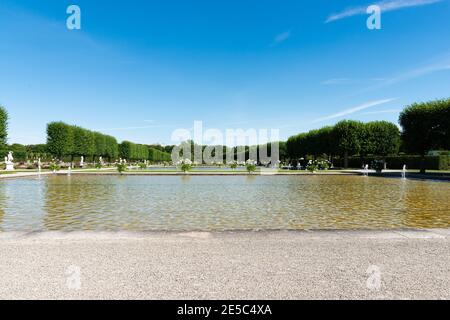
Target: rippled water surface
(139, 203)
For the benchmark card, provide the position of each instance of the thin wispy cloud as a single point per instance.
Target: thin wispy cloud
(420, 71)
(346, 112)
(386, 5)
(279, 38)
(382, 111)
(337, 81)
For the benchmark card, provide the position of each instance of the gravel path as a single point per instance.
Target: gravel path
(229, 265)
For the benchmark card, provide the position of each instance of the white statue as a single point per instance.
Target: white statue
(100, 160)
(9, 161)
(39, 165)
(9, 158)
(82, 161)
(366, 170)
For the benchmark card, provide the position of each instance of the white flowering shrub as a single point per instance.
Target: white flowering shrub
(315, 165)
(186, 165)
(250, 165)
(233, 164)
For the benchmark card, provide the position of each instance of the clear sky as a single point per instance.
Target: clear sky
(140, 69)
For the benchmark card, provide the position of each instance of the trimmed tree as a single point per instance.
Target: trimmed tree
(83, 142)
(383, 137)
(100, 141)
(125, 150)
(3, 127)
(59, 139)
(112, 148)
(347, 138)
(426, 126)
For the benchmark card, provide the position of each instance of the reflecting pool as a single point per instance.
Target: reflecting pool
(140, 203)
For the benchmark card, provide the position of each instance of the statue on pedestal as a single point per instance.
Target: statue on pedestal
(9, 161)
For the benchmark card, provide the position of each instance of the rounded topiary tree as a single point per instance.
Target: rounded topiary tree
(347, 136)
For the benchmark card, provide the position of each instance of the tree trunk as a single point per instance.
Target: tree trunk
(346, 160)
(422, 164)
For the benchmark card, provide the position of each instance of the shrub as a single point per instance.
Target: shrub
(142, 165)
(312, 166)
(122, 167)
(323, 165)
(250, 165)
(378, 165)
(186, 165)
(54, 167)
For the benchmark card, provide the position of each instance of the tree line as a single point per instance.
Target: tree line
(133, 151)
(347, 138)
(425, 127)
(65, 140)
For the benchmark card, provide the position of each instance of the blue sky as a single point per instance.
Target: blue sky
(140, 69)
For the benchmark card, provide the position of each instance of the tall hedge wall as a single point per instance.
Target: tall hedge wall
(133, 151)
(65, 140)
(156, 155)
(396, 162)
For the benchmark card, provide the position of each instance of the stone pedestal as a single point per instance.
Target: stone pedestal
(9, 167)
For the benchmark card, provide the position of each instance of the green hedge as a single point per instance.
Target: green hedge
(156, 155)
(23, 156)
(19, 156)
(65, 140)
(133, 151)
(396, 162)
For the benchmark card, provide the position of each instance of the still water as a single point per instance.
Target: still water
(140, 203)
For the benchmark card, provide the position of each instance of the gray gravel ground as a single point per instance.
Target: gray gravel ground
(228, 265)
